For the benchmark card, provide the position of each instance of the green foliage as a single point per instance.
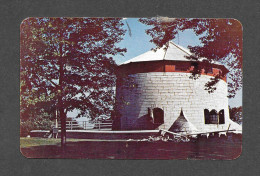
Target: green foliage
(67, 64)
(37, 123)
(221, 41)
(236, 114)
(31, 142)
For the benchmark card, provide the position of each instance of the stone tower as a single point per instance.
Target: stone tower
(154, 87)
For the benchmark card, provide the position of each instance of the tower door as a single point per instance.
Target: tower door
(158, 116)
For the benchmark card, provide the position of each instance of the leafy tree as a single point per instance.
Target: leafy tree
(41, 122)
(66, 64)
(221, 41)
(235, 114)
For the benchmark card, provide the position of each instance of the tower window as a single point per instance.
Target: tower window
(213, 117)
(206, 116)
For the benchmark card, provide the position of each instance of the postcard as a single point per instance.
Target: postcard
(131, 88)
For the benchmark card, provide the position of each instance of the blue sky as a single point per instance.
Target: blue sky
(139, 43)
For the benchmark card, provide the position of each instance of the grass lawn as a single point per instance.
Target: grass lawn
(122, 149)
(30, 142)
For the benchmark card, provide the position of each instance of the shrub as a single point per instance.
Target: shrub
(34, 124)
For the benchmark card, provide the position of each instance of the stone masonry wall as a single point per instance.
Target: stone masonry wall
(170, 91)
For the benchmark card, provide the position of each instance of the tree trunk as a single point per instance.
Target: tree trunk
(63, 129)
(60, 99)
(61, 105)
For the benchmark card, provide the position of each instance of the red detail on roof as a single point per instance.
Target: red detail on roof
(169, 66)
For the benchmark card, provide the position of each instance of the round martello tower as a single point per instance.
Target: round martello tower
(153, 88)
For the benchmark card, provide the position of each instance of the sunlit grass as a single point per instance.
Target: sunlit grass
(29, 142)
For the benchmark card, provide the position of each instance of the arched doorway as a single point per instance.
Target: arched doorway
(221, 117)
(158, 116)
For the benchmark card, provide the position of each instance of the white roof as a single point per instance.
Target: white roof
(174, 52)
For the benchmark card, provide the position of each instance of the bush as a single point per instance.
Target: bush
(236, 115)
(34, 124)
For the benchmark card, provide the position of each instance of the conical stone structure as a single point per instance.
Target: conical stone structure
(182, 125)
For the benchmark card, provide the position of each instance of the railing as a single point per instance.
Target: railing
(85, 125)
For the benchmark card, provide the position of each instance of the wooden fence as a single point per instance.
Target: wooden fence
(85, 125)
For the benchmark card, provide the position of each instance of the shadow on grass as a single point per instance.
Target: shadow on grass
(199, 149)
